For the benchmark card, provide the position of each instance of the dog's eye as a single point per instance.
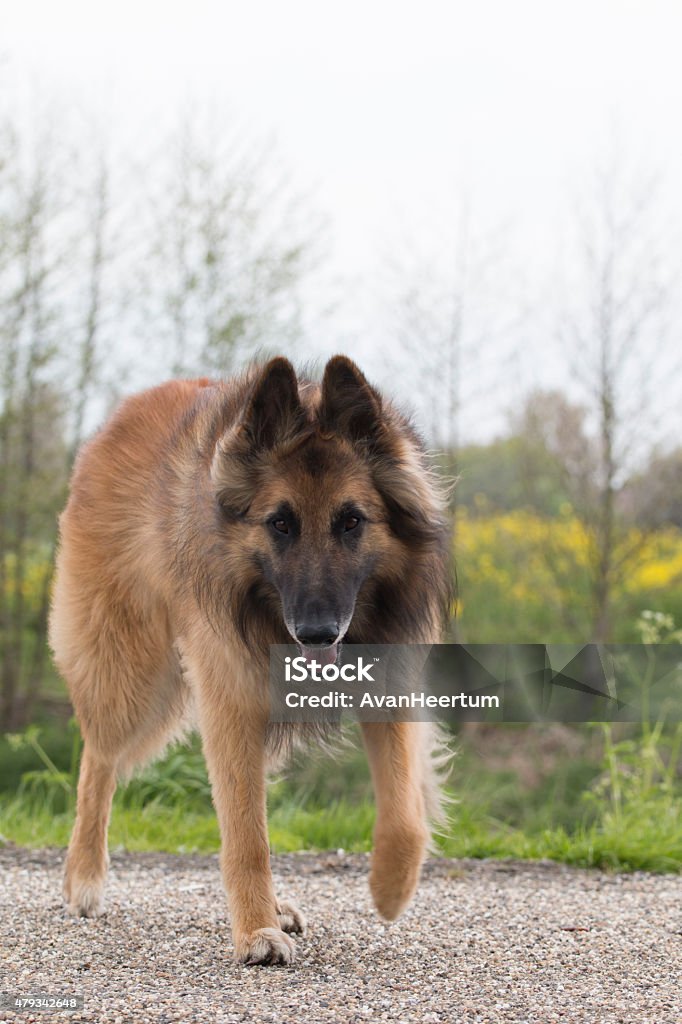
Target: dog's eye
(350, 523)
(280, 525)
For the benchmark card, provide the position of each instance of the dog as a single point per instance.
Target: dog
(206, 521)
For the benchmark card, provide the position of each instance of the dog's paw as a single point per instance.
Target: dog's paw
(84, 898)
(291, 919)
(396, 864)
(391, 896)
(266, 946)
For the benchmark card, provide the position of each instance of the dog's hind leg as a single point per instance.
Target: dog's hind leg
(115, 745)
(124, 679)
(396, 757)
(146, 734)
(87, 859)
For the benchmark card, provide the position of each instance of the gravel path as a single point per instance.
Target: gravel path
(483, 942)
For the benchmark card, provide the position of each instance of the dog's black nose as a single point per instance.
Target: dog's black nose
(322, 634)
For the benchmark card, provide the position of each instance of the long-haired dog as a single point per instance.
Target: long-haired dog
(207, 521)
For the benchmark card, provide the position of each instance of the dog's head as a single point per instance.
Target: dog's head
(329, 500)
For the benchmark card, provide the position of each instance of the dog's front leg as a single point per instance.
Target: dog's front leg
(234, 746)
(396, 758)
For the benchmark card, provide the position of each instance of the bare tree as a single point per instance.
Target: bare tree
(28, 349)
(614, 335)
(230, 245)
(96, 240)
(48, 330)
(450, 316)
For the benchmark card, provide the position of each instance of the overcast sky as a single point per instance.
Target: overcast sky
(386, 111)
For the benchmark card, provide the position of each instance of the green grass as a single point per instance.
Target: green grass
(583, 797)
(175, 830)
(648, 839)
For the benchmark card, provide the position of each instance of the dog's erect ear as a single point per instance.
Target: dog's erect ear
(349, 405)
(274, 411)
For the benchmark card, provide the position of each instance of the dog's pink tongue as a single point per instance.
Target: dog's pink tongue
(322, 655)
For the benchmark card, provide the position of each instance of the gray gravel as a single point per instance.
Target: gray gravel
(483, 941)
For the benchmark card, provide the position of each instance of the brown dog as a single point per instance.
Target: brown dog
(206, 522)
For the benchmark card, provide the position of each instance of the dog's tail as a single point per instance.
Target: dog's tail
(437, 756)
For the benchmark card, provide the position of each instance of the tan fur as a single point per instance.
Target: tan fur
(149, 597)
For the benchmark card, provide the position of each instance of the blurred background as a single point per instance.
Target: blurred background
(480, 204)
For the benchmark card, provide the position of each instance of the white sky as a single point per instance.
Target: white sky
(386, 109)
